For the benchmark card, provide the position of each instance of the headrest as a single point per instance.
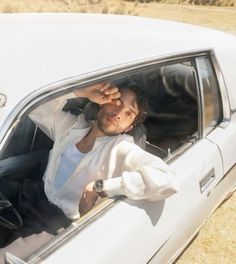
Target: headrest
(178, 79)
(90, 111)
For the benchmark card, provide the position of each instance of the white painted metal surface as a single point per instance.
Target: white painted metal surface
(38, 49)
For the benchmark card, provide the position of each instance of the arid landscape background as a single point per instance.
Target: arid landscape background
(216, 242)
(221, 17)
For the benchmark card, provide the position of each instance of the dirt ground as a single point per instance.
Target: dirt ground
(216, 241)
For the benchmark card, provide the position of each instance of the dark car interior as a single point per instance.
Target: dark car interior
(172, 121)
(173, 108)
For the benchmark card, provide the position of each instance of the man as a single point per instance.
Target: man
(89, 160)
(92, 159)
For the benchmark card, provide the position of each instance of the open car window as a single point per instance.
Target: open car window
(27, 138)
(173, 102)
(175, 117)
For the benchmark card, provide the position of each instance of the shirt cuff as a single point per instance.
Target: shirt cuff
(112, 187)
(74, 217)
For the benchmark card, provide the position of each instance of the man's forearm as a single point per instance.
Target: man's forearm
(80, 93)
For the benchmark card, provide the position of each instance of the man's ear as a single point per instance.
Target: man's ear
(129, 128)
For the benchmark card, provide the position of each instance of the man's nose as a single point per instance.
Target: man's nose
(117, 112)
(116, 115)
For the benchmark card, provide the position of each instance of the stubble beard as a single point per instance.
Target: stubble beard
(103, 128)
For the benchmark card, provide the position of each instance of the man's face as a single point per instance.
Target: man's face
(114, 119)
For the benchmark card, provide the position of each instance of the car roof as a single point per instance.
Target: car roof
(38, 49)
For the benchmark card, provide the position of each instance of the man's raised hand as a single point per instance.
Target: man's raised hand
(101, 93)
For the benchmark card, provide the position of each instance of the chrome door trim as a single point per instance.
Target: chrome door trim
(207, 180)
(223, 92)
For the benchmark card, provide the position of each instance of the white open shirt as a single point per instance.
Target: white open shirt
(126, 168)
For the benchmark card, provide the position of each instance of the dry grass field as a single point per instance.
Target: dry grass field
(222, 18)
(216, 242)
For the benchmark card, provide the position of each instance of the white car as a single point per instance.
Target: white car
(188, 75)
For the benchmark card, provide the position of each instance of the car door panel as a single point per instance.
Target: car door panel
(225, 140)
(190, 204)
(156, 223)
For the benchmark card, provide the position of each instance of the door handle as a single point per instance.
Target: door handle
(207, 180)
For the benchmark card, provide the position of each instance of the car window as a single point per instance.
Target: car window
(211, 96)
(26, 138)
(173, 102)
(174, 113)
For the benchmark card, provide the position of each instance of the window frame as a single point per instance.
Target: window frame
(225, 113)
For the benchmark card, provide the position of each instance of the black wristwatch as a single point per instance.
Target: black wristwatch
(98, 187)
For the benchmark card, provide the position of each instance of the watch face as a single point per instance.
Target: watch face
(99, 185)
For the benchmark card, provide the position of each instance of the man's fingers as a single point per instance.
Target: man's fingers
(104, 86)
(116, 102)
(103, 93)
(116, 95)
(108, 89)
(111, 98)
(98, 86)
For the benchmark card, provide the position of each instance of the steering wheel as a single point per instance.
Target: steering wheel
(9, 216)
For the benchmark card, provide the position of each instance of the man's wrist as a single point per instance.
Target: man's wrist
(79, 93)
(84, 93)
